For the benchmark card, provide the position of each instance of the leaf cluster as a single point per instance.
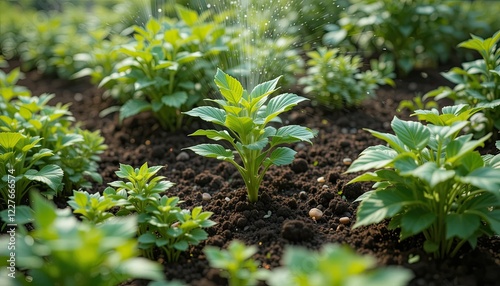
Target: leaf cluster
(162, 223)
(333, 265)
(44, 148)
(430, 179)
(415, 34)
(164, 64)
(64, 251)
(236, 263)
(477, 82)
(246, 116)
(336, 81)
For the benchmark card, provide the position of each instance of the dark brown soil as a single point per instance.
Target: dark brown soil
(340, 136)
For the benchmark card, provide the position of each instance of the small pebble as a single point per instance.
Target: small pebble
(340, 227)
(347, 161)
(321, 180)
(344, 220)
(303, 195)
(227, 199)
(325, 187)
(182, 156)
(315, 214)
(206, 196)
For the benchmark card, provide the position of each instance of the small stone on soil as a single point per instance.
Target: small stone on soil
(303, 195)
(321, 180)
(344, 220)
(315, 214)
(206, 197)
(182, 156)
(347, 161)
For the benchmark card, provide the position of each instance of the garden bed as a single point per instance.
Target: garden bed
(280, 217)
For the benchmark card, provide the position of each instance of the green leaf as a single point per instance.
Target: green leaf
(189, 16)
(50, 174)
(209, 113)
(176, 99)
(282, 156)
(485, 178)
(44, 211)
(461, 225)
(432, 174)
(214, 135)
(373, 157)
(415, 221)
(381, 204)
(8, 140)
(239, 124)
(212, 151)
(147, 238)
(133, 107)
(24, 215)
(280, 104)
(231, 89)
(291, 134)
(391, 139)
(264, 88)
(413, 134)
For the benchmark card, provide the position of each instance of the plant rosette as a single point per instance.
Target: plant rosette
(246, 117)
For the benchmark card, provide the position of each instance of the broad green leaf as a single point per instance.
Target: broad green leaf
(50, 174)
(461, 225)
(183, 58)
(415, 221)
(190, 17)
(291, 134)
(240, 124)
(405, 163)
(257, 145)
(133, 107)
(212, 151)
(391, 139)
(366, 177)
(485, 178)
(381, 204)
(153, 26)
(24, 215)
(8, 140)
(264, 88)
(147, 238)
(176, 99)
(139, 267)
(181, 245)
(430, 173)
(214, 135)
(70, 139)
(209, 113)
(44, 211)
(413, 134)
(373, 157)
(282, 156)
(280, 104)
(231, 89)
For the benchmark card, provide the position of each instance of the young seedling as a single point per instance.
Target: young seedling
(236, 263)
(246, 117)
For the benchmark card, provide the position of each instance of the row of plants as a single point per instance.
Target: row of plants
(165, 66)
(414, 175)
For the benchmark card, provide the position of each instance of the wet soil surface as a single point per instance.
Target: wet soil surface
(280, 217)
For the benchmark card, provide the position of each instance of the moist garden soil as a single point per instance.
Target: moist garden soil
(280, 217)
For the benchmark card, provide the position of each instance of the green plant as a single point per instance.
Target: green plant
(246, 116)
(48, 130)
(22, 168)
(162, 223)
(8, 83)
(236, 263)
(418, 102)
(477, 82)
(165, 63)
(431, 180)
(415, 33)
(334, 265)
(335, 81)
(64, 251)
(92, 207)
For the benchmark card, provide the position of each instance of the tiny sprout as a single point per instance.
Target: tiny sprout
(315, 214)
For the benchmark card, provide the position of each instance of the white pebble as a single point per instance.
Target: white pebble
(321, 179)
(315, 214)
(206, 196)
(347, 161)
